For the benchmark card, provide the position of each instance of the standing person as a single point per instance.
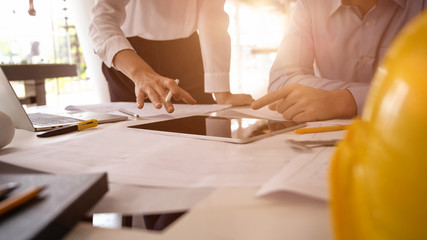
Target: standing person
(327, 59)
(147, 44)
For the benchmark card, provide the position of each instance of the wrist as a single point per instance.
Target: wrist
(131, 64)
(346, 106)
(221, 97)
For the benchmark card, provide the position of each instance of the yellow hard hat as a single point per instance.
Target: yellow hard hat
(378, 174)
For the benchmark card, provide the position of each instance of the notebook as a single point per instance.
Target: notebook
(10, 104)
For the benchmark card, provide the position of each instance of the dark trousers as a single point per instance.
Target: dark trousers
(176, 59)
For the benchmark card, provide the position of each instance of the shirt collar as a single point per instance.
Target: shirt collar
(335, 5)
(338, 3)
(401, 3)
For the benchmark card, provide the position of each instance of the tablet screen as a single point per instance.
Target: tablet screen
(236, 130)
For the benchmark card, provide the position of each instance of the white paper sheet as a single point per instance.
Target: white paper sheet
(132, 156)
(307, 174)
(249, 112)
(149, 111)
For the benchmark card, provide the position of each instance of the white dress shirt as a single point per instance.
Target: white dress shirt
(114, 20)
(330, 46)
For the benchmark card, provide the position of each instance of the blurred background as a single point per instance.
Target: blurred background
(56, 31)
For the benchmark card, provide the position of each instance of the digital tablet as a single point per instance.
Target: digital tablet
(235, 130)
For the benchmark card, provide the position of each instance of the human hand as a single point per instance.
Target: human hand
(233, 99)
(148, 83)
(156, 88)
(302, 103)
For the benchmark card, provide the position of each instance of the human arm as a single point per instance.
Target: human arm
(115, 50)
(302, 48)
(302, 103)
(216, 50)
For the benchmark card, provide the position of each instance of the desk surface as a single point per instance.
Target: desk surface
(221, 213)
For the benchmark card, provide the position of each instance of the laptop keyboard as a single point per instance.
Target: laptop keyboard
(45, 119)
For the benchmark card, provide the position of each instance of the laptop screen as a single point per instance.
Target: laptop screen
(10, 105)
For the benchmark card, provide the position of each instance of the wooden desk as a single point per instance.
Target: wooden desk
(34, 76)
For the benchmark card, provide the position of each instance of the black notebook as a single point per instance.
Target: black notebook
(57, 209)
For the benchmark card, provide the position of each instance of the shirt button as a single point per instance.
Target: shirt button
(366, 59)
(368, 23)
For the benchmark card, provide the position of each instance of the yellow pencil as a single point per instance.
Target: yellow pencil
(321, 129)
(18, 200)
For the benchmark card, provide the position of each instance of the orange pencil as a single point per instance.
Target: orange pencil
(321, 129)
(18, 200)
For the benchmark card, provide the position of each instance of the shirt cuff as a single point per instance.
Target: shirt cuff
(112, 46)
(359, 94)
(217, 82)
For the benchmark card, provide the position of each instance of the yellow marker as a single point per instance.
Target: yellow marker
(87, 124)
(321, 129)
(79, 126)
(18, 200)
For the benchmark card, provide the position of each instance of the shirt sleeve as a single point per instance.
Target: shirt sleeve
(104, 30)
(215, 44)
(295, 60)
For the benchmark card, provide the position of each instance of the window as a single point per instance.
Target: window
(256, 29)
(49, 36)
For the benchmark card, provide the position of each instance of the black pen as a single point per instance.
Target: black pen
(7, 188)
(62, 130)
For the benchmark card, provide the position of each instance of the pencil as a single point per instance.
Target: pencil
(18, 200)
(169, 96)
(321, 129)
(135, 115)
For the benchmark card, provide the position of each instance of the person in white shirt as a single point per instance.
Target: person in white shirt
(327, 59)
(146, 45)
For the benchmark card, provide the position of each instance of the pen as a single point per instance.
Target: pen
(7, 188)
(169, 96)
(20, 199)
(321, 129)
(128, 113)
(62, 130)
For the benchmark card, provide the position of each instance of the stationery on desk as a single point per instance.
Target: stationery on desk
(132, 114)
(6, 188)
(169, 96)
(62, 130)
(321, 129)
(64, 201)
(19, 200)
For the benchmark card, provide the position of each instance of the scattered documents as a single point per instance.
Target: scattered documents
(148, 159)
(307, 174)
(130, 156)
(149, 111)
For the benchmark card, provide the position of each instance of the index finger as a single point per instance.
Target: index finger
(270, 98)
(180, 94)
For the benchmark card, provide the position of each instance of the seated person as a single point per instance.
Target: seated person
(328, 57)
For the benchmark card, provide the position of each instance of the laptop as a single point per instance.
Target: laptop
(10, 105)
